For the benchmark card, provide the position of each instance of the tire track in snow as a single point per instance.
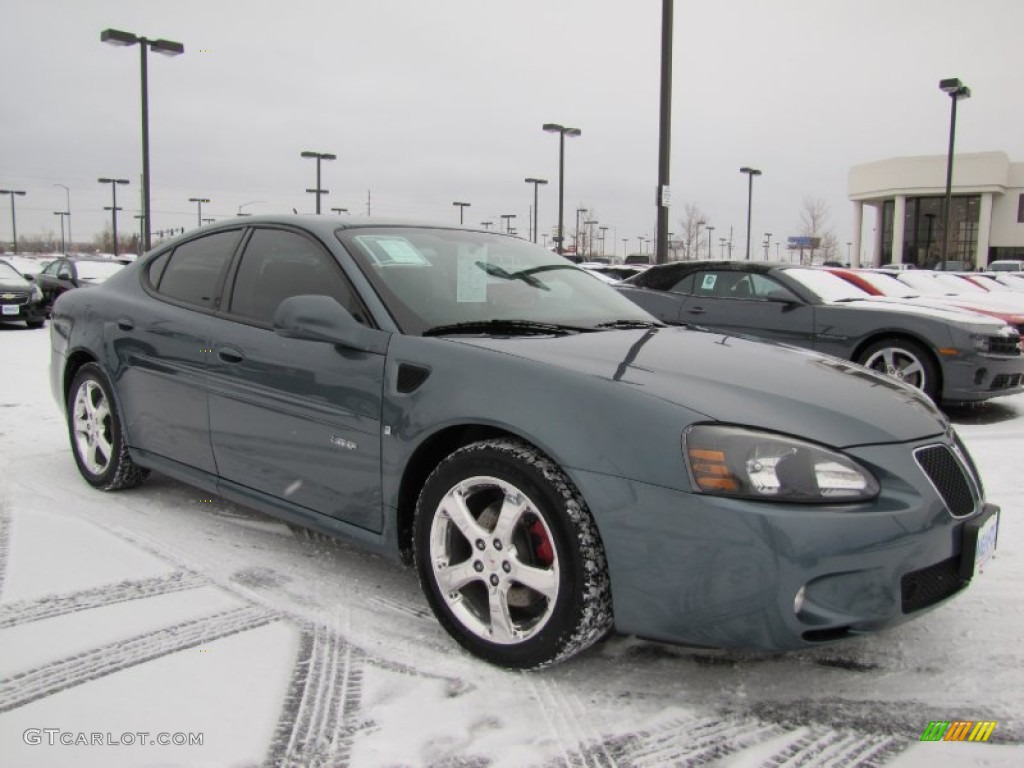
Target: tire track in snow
(695, 741)
(25, 611)
(570, 722)
(38, 683)
(319, 716)
(828, 748)
(5, 540)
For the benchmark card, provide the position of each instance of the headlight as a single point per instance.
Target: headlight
(35, 293)
(746, 463)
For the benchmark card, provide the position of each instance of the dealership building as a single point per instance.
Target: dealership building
(907, 193)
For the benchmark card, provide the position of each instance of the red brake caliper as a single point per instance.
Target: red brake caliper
(541, 544)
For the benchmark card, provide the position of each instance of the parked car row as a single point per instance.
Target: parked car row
(28, 288)
(952, 355)
(555, 461)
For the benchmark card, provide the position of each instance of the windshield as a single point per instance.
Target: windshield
(433, 278)
(925, 284)
(97, 271)
(827, 286)
(7, 272)
(888, 285)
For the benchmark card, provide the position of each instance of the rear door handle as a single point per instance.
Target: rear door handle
(125, 323)
(696, 310)
(230, 355)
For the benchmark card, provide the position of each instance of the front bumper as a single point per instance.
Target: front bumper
(715, 572)
(33, 312)
(980, 377)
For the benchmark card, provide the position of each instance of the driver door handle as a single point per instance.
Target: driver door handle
(230, 355)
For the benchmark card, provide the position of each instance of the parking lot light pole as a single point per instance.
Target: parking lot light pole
(767, 244)
(751, 173)
(562, 132)
(711, 243)
(167, 48)
(113, 205)
(508, 221)
(318, 156)
(63, 242)
(14, 218)
(462, 208)
(199, 205)
(589, 224)
(243, 205)
(536, 183)
(67, 212)
(956, 91)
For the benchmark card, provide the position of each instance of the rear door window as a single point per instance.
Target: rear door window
(194, 272)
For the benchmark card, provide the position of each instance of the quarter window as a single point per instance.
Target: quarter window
(277, 265)
(195, 269)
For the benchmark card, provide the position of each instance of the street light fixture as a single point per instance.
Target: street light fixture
(562, 132)
(339, 210)
(536, 183)
(318, 156)
(487, 225)
(751, 173)
(167, 48)
(462, 209)
(251, 202)
(199, 206)
(14, 220)
(113, 205)
(956, 91)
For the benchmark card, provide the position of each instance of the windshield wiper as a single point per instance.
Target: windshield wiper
(630, 324)
(495, 271)
(506, 328)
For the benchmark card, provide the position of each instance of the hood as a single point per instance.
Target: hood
(739, 380)
(15, 284)
(976, 322)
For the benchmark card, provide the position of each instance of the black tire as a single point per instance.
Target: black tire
(526, 522)
(905, 361)
(33, 324)
(97, 437)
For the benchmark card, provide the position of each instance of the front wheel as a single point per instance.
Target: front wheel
(97, 438)
(905, 361)
(509, 557)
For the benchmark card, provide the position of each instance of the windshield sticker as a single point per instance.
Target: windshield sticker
(392, 250)
(708, 283)
(471, 277)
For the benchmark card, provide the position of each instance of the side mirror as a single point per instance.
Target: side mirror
(321, 318)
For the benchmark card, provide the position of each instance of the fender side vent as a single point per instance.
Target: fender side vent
(411, 377)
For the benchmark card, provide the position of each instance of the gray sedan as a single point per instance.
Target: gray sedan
(952, 355)
(556, 463)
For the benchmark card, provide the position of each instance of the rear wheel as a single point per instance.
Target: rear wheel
(97, 438)
(509, 556)
(905, 361)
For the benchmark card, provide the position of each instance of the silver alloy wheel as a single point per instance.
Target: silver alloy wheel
(901, 364)
(93, 428)
(488, 551)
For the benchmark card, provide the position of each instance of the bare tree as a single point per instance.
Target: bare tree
(688, 240)
(815, 221)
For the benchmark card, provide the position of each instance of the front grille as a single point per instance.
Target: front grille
(948, 477)
(1006, 381)
(14, 298)
(928, 586)
(1004, 345)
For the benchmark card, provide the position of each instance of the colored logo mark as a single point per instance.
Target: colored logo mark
(958, 730)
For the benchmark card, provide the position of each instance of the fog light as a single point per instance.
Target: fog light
(798, 601)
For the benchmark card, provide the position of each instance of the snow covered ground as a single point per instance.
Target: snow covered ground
(161, 614)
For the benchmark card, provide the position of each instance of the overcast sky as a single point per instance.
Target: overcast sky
(428, 102)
